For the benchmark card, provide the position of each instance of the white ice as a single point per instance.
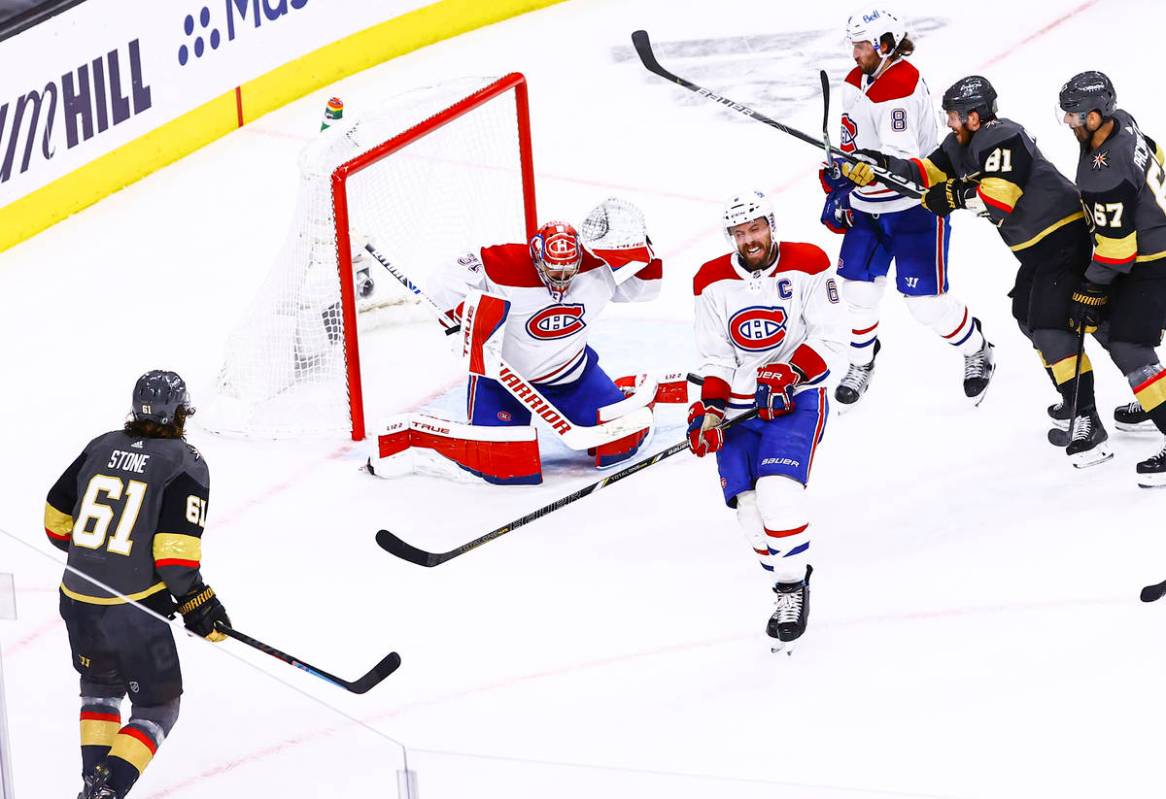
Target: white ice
(975, 630)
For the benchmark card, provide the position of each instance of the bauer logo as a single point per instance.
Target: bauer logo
(557, 321)
(204, 29)
(757, 329)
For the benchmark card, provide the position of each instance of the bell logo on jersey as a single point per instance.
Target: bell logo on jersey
(849, 134)
(758, 329)
(556, 321)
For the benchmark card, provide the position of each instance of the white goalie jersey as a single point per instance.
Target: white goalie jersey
(788, 313)
(545, 338)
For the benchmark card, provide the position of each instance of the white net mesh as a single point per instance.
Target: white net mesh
(453, 189)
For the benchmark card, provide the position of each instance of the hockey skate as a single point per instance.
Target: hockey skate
(1059, 416)
(1152, 471)
(788, 622)
(857, 379)
(96, 785)
(1090, 443)
(1132, 418)
(978, 370)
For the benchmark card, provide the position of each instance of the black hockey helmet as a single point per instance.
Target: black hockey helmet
(1088, 91)
(973, 93)
(158, 395)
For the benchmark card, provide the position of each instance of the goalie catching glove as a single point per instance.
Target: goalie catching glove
(201, 610)
(775, 390)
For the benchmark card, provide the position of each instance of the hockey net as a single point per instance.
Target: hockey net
(430, 175)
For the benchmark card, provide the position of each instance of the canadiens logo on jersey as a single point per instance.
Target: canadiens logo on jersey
(849, 134)
(758, 328)
(556, 321)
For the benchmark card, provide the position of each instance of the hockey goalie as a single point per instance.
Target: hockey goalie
(525, 312)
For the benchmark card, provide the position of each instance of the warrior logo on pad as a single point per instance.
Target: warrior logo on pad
(557, 321)
(756, 329)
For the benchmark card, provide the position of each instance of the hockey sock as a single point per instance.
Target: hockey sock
(1149, 385)
(749, 518)
(862, 300)
(1063, 374)
(781, 501)
(132, 749)
(950, 319)
(100, 721)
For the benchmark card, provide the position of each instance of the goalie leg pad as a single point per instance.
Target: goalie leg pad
(498, 455)
(671, 388)
(607, 402)
(483, 326)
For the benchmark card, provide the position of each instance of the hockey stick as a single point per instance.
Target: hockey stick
(576, 437)
(1076, 384)
(1152, 593)
(395, 546)
(387, 666)
(892, 181)
(834, 171)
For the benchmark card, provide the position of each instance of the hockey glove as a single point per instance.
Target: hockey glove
(943, 198)
(862, 173)
(704, 426)
(832, 178)
(1089, 300)
(775, 390)
(200, 610)
(836, 213)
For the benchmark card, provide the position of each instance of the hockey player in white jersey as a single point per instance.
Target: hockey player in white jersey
(768, 319)
(887, 107)
(553, 289)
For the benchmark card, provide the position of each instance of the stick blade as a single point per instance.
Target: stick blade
(380, 671)
(405, 551)
(1152, 593)
(643, 46)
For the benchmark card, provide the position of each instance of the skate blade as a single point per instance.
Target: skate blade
(1059, 424)
(777, 647)
(1147, 427)
(1099, 454)
(1152, 480)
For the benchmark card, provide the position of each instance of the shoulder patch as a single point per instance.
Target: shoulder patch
(714, 271)
(798, 256)
(854, 78)
(897, 82)
(510, 265)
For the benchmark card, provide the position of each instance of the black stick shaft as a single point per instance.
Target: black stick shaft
(1076, 383)
(391, 543)
(643, 47)
(378, 673)
(449, 326)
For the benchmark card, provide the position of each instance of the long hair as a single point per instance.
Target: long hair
(148, 428)
(906, 46)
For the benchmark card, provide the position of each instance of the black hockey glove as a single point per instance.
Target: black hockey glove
(943, 198)
(200, 610)
(1089, 299)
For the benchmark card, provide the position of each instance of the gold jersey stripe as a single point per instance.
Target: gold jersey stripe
(177, 546)
(1060, 223)
(1001, 190)
(934, 173)
(1064, 369)
(1150, 256)
(57, 522)
(112, 600)
(1111, 249)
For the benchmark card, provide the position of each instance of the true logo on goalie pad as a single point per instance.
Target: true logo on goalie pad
(757, 328)
(556, 321)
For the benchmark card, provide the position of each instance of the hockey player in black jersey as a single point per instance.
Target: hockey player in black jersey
(991, 165)
(1123, 189)
(130, 512)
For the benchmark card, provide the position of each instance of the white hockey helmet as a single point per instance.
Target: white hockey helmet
(872, 25)
(745, 207)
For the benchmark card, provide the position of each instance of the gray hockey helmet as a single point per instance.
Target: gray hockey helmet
(158, 395)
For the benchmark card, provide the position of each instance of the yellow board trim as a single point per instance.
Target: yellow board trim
(177, 545)
(112, 600)
(57, 522)
(44, 207)
(1053, 227)
(131, 750)
(1066, 368)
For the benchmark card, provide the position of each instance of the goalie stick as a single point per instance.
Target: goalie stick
(387, 666)
(576, 437)
(1152, 593)
(392, 544)
(643, 47)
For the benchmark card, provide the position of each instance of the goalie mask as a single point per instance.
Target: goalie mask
(557, 255)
